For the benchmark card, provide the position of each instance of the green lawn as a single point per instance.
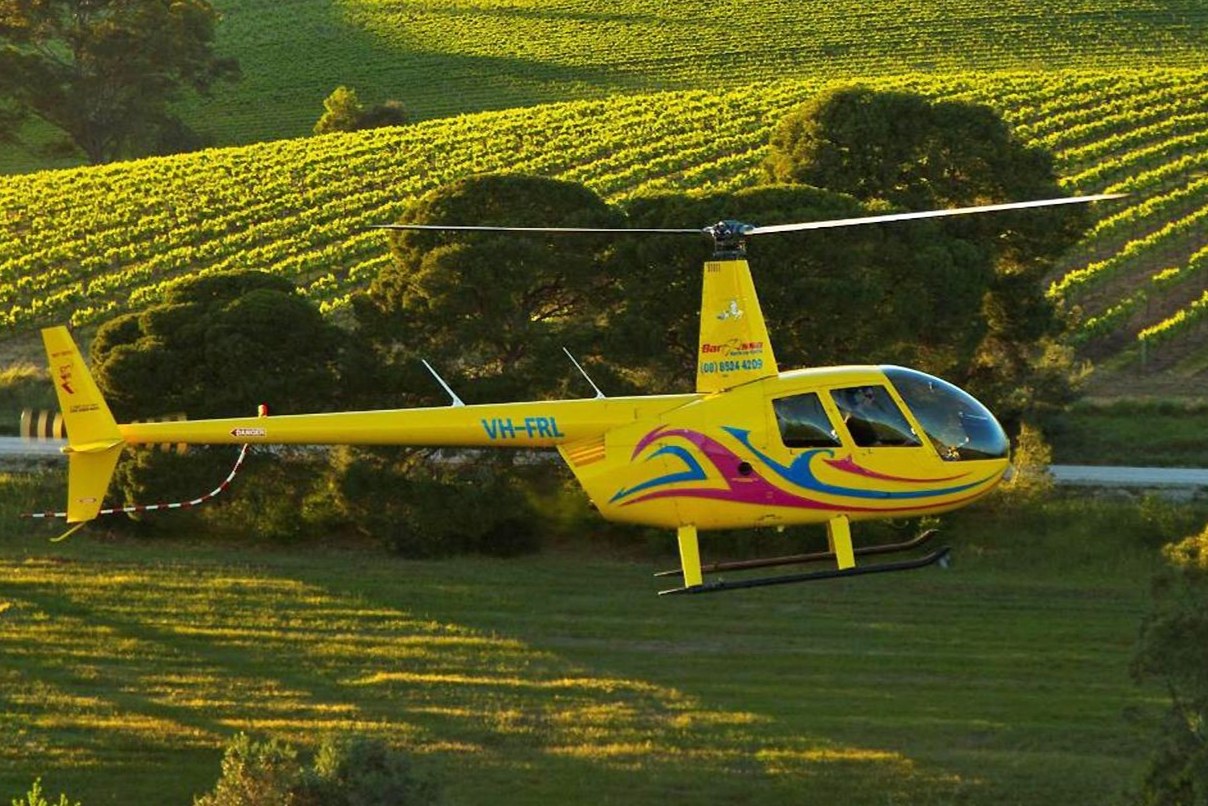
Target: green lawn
(562, 678)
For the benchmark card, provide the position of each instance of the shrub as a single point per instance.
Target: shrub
(343, 112)
(348, 771)
(146, 476)
(1031, 460)
(36, 798)
(255, 774)
(388, 113)
(362, 771)
(267, 500)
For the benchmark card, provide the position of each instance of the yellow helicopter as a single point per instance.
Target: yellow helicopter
(752, 446)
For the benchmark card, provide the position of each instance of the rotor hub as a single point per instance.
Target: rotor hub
(729, 236)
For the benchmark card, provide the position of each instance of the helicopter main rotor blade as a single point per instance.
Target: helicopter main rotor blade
(877, 219)
(543, 230)
(728, 235)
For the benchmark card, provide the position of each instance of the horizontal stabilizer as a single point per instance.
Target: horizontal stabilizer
(88, 477)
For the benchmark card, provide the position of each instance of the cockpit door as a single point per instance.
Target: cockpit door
(882, 437)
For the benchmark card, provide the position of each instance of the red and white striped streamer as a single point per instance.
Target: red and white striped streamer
(153, 507)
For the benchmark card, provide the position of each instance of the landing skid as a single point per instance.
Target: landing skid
(801, 559)
(940, 556)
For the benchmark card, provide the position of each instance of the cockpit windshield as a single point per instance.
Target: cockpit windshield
(958, 426)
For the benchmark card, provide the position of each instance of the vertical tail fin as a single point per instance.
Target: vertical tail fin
(94, 441)
(734, 346)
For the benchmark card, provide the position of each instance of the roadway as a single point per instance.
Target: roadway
(1093, 476)
(15, 449)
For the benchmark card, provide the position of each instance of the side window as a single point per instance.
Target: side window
(872, 418)
(803, 422)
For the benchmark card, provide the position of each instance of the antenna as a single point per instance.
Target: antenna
(457, 401)
(583, 372)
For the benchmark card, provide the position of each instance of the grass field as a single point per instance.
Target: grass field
(563, 678)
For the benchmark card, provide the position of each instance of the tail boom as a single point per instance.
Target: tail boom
(541, 424)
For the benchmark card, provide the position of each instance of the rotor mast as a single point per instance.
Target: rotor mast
(729, 239)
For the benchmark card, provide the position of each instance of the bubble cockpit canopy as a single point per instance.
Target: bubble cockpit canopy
(958, 425)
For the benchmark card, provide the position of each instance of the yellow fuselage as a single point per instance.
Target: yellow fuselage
(715, 460)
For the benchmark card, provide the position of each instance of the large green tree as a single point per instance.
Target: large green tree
(493, 311)
(217, 346)
(916, 154)
(105, 72)
(906, 295)
(908, 150)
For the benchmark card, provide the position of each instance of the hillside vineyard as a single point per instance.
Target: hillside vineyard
(85, 244)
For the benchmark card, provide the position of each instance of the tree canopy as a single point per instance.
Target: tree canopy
(906, 149)
(918, 154)
(217, 346)
(869, 294)
(493, 311)
(105, 72)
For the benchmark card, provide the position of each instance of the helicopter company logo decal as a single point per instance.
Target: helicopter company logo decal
(734, 348)
(756, 488)
(732, 311)
(65, 371)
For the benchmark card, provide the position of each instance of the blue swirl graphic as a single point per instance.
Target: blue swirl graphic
(801, 475)
(694, 472)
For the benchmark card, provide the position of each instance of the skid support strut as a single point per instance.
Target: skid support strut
(689, 550)
(838, 538)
